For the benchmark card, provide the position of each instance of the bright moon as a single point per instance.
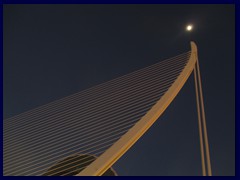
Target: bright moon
(189, 27)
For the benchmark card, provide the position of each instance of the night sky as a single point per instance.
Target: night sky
(51, 51)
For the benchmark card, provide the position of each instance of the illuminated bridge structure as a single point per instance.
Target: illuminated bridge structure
(84, 134)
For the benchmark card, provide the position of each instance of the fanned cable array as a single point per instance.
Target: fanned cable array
(84, 124)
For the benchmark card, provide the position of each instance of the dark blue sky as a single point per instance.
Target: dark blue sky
(51, 51)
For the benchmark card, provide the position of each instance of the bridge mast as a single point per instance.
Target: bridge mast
(110, 156)
(201, 118)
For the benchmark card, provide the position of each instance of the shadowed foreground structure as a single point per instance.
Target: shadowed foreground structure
(73, 165)
(105, 120)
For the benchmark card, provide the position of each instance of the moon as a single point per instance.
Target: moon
(189, 27)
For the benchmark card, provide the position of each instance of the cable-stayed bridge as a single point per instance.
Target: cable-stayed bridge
(87, 132)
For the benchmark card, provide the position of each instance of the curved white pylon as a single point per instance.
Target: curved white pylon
(110, 156)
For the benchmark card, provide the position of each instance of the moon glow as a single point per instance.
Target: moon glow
(189, 27)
